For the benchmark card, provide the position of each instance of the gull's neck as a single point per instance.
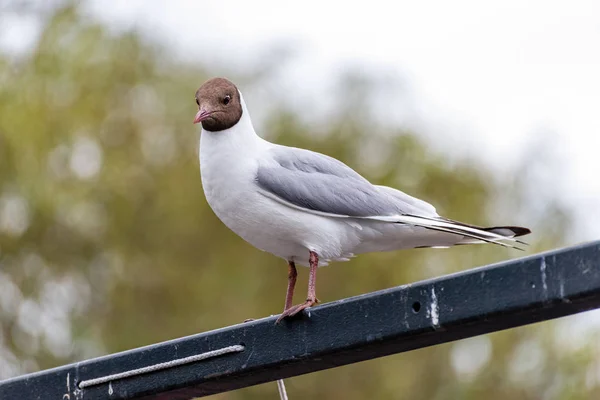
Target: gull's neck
(241, 134)
(233, 144)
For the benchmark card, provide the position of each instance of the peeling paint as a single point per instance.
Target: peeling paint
(562, 292)
(543, 272)
(374, 337)
(67, 396)
(434, 309)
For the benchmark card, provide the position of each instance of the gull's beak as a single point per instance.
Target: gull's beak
(201, 115)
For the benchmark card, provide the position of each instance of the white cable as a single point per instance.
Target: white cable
(160, 366)
(282, 392)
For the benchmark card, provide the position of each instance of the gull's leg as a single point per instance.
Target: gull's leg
(289, 297)
(312, 279)
(311, 298)
(292, 274)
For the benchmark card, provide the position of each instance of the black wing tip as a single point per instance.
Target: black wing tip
(516, 230)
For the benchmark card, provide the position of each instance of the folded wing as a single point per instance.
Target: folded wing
(322, 185)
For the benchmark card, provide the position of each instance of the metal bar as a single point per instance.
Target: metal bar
(404, 318)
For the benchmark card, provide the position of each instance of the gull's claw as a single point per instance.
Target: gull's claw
(290, 312)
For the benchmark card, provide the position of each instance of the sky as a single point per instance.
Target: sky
(491, 80)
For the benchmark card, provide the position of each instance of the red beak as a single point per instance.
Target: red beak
(201, 115)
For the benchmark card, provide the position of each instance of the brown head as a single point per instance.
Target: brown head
(219, 105)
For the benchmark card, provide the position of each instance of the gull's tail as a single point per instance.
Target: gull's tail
(475, 234)
(507, 233)
(500, 235)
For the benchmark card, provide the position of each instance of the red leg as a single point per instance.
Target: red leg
(311, 298)
(312, 277)
(289, 297)
(292, 274)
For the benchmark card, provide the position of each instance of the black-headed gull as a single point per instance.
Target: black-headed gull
(306, 207)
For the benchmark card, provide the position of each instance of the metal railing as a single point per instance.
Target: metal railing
(469, 303)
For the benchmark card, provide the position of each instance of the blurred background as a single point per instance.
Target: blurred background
(487, 110)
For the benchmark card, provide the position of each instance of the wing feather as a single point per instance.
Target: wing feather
(322, 185)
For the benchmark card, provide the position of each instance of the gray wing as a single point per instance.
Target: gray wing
(323, 184)
(315, 182)
(417, 206)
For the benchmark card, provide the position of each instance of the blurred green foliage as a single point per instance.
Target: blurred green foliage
(107, 242)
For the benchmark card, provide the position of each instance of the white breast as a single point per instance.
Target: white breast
(228, 165)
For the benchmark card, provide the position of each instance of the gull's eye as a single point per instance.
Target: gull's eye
(197, 102)
(226, 99)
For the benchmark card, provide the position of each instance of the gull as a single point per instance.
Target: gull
(306, 207)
